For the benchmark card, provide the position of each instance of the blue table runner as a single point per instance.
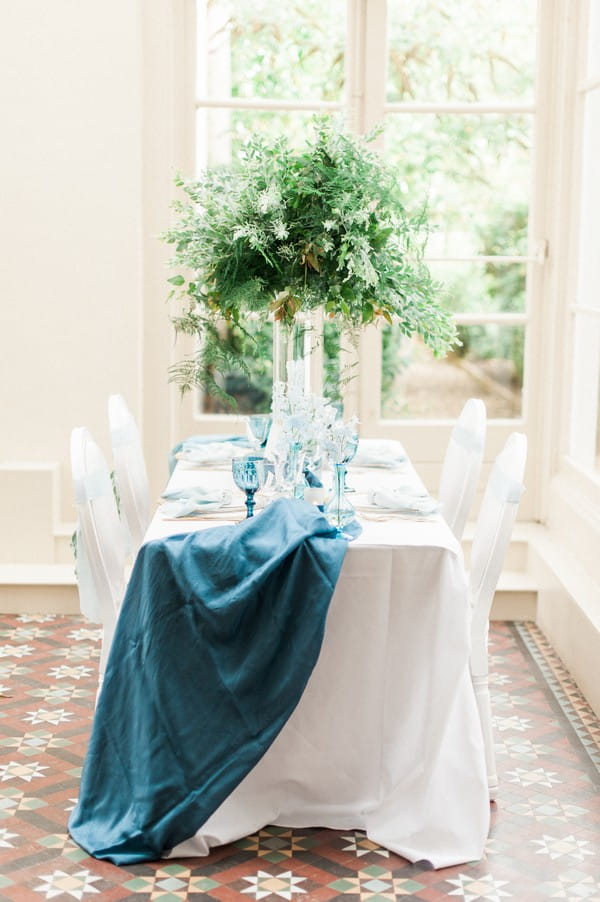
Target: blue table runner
(217, 637)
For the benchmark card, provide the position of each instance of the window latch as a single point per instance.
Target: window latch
(540, 251)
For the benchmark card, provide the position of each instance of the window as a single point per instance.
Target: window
(585, 407)
(453, 85)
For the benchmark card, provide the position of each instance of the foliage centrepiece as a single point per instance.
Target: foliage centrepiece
(285, 231)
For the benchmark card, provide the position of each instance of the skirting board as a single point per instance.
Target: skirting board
(52, 590)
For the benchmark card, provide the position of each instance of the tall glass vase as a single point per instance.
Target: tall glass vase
(338, 510)
(292, 344)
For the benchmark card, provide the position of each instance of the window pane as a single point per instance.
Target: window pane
(488, 366)
(332, 365)
(257, 48)
(586, 376)
(461, 50)
(482, 287)
(474, 173)
(588, 277)
(221, 134)
(593, 62)
(252, 391)
(597, 458)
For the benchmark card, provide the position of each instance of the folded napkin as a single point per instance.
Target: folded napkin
(408, 503)
(195, 441)
(211, 453)
(374, 452)
(198, 493)
(194, 501)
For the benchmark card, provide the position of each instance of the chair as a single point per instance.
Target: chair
(130, 470)
(100, 540)
(492, 535)
(462, 464)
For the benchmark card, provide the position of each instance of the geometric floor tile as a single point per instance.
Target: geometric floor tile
(62, 885)
(375, 882)
(360, 844)
(275, 844)
(544, 841)
(283, 885)
(170, 882)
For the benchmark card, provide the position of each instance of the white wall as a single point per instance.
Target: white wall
(70, 242)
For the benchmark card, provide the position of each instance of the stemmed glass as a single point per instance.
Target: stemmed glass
(259, 427)
(289, 464)
(249, 474)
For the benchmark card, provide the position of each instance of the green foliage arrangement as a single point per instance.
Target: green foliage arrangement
(285, 231)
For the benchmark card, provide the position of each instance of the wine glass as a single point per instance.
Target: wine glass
(259, 427)
(289, 465)
(249, 474)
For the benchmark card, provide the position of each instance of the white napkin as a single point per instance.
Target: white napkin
(211, 453)
(198, 493)
(194, 502)
(408, 503)
(375, 452)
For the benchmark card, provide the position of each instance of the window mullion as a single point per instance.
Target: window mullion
(263, 103)
(365, 64)
(468, 109)
(366, 55)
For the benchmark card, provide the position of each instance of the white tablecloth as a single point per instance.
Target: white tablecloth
(386, 737)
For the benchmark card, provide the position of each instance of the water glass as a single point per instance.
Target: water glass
(289, 467)
(259, 427)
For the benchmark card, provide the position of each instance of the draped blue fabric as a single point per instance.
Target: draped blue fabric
(217, 637)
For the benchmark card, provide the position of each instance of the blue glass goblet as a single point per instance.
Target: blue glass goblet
(249, 474)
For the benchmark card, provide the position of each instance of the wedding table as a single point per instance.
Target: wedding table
(386, 737)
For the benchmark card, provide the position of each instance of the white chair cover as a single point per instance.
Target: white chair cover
(100, 539)
(130, 470)
(462, 465)
(492, 536)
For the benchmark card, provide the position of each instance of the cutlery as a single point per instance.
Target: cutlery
(397, 515)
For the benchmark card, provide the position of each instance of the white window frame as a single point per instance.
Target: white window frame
(365, 106)
(585, 304)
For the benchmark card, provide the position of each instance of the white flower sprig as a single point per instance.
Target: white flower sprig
(309, 420)
(341, 441)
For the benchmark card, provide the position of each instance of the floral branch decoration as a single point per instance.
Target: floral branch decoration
(284, 231)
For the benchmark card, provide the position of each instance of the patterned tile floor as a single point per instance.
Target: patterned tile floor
(545, 837)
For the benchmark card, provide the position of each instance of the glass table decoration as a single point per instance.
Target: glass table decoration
(340, 446)
(289, 469)
(339, 510)
(249, 474)
(349, 452)
(259, 427)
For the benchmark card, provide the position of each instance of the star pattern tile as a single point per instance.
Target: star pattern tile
(283, 885)
(59, 884)
(544, 842)
(275, 844)
(362, 845)
(472, 888)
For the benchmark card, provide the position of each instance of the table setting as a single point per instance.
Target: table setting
(303, 450)
(289, 658)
